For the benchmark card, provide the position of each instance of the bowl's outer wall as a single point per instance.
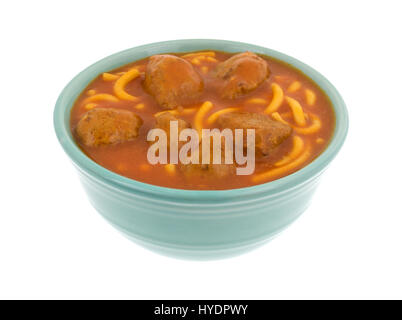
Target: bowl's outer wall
(195, 224)
(201, 226)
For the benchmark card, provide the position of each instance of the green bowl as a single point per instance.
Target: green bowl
(188, 223)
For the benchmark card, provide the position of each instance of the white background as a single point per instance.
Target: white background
(347, 244)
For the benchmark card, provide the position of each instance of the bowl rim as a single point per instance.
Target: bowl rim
(93, 170)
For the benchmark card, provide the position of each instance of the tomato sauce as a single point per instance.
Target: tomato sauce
(129, 158)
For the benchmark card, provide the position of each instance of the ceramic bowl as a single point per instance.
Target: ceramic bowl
(186, 223)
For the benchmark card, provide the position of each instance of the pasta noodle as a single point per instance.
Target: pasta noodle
(204, 69)
(140, 106)
(188, 110)
(205, 53)
(101, 96)
(196, 61)
(277, 99)
(122, 82)
(297, 110)
(290, 114)
(91, 92)
(90, 106)
(211, 59)
(294, 86)
(257, 100)
(276, 116)
(284, 169)
(212, 118)
(310, 97)
(297, 149)
(174, 112)
(315, 126)
(109, 77)
(205, 107)
(319, 140)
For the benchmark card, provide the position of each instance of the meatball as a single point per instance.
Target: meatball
(208, 171)
(172, 81)
(268, 133)
(211, 170)
(163, 122)
(241, 74)
(102, 126)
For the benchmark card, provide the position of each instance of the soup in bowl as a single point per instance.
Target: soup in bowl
(200, 148)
